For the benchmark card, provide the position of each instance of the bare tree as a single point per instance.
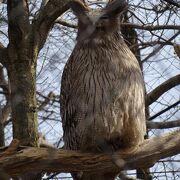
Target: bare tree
(36, 39)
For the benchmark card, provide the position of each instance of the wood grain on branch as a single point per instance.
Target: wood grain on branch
(51, 160)
(161, 89)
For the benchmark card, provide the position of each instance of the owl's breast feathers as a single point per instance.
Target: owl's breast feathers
(102, 97)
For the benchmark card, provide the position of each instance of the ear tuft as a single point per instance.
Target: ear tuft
(115, 7)
(78, 7)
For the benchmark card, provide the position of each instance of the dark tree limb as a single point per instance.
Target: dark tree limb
(46, 19)
(21, 72)
(46, 101)
(177, 49)
(15, 162)
(164, 110)
(164, 87)
(157, 50)
(18, 22)
(163, 125)
(173, 3)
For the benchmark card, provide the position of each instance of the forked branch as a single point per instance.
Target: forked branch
(16, 162)
(46, 18)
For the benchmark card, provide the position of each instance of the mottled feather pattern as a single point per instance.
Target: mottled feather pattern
(102, 96)
(102, 89)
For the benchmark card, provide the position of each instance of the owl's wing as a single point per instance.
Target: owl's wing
(66, 111)
(69, 112)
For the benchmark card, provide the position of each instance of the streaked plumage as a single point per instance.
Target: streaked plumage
(102, 90)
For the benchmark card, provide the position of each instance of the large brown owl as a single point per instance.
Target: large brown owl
(102, 90)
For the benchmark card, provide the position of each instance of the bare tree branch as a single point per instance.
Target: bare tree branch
(164, 87)
(163, 125)
(46, 18)
(150, 27)
(49, 97)
(164, 110)
(172, 3)
(156, 50)
(15, 162)
(65, 23)
(131, 25)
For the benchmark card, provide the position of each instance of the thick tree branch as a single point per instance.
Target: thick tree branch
(18, 22)
(164, 87)
(21, 72)
(46, 18)
(163, 125)
(16, 162)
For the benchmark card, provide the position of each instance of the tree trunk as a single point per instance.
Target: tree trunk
(22, 76)
(21, 67)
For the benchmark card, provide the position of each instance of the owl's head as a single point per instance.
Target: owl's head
(97, 23)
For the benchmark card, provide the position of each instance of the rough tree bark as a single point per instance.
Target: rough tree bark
(16, 160)
(21, 67)
(20, 57)
(25, 41)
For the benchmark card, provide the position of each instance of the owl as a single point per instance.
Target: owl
(102, 88)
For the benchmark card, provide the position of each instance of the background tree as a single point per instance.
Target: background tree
(36, 38)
